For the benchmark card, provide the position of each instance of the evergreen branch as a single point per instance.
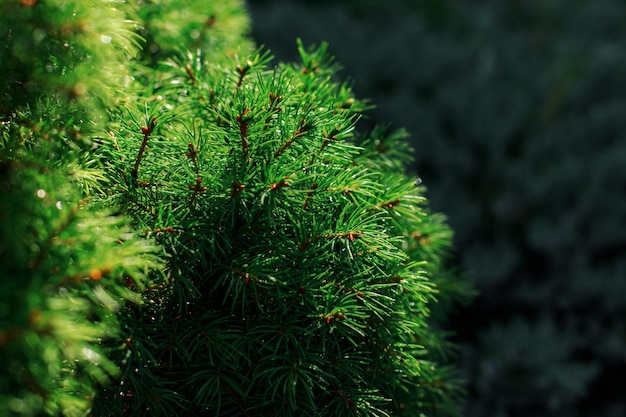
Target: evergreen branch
(256, 62)
(275, 100)
(301, 130)
(242, 70)
(346, 398)
(237, 188)
(147, 132)
(278, 185)
(351, 236)
(191, 74)
(158, 231)
(329, 138)
(245, 275)
(193, 155)
(133, 201)
(242, 123)
(344, 189)
(388, 204)
(197, 188)
(347, 289)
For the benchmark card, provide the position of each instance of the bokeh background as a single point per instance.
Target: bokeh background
(517, 111)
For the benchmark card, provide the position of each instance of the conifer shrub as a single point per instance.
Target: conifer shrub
(298, 261)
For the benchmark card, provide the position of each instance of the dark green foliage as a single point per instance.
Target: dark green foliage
(516, 111)
(302, 260)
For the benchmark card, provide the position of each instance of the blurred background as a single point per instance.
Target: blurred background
(517, 110)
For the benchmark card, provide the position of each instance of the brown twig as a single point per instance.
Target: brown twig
(302, 129)
(147, 132)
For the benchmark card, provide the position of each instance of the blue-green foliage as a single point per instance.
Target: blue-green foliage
(517, 116)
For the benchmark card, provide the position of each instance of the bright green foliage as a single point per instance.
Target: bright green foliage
(212, 27)
(69, 48)
(301, 262)
(66, 266)
(66, 269)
